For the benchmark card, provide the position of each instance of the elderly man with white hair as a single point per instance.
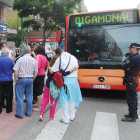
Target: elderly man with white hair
(49, 54)
(25, 71)
(6, 81)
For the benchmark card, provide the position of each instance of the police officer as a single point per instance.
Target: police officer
(132, 68)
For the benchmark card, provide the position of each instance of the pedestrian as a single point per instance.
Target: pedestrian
(32, 45)
(36, 46)
(13, 52)
(2, 45)
(25, 71)
(49, 54)
(68, 101)
(17, 54)
(53, 52)
(39, 81)
(34, 56)
(131, 79)
(6, 80)
(46, 94)
(33, 50)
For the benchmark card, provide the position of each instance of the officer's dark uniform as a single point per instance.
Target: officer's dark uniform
(132, 68)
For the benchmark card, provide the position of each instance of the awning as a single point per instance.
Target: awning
(40, 39)
(10, 31)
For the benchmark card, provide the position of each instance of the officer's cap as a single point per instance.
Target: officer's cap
(31, 44)
(134, 45)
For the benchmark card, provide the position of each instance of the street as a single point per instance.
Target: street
(69, 42)
(97, 118)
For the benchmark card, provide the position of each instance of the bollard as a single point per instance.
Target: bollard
(138, 96)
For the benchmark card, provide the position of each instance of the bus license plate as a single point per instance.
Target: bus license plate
(102, 86)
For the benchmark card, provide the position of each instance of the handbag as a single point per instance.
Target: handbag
(54, 92)
(58, 78)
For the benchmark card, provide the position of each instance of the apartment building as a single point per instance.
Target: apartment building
(4, 31)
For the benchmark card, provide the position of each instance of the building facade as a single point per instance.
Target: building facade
(4, 6)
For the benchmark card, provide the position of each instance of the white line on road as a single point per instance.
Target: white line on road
(53, 130)
(105, 127)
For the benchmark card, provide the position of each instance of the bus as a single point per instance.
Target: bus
(99, 41)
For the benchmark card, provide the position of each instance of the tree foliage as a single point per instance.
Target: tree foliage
(52, 12)
(14, 22)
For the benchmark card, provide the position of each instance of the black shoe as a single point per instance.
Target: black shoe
(7, 111)
(18, 116)
(4, 106)
(27, 115)
(128, 115)
(129, 119)
(24, 100)
(34, 101)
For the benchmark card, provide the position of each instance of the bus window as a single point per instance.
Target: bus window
(109, 43)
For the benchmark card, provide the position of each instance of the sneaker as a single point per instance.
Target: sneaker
(61, 120)
(51, 119)
(72, 119)
(40, 118)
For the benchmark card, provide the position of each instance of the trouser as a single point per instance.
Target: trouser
(3, 98)
(49, 59)
(7, 88)
(131, 97)
(24, 86)
(45, 102)
(69, 112)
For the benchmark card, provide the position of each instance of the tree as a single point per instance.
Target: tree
(52, 12)
(14, 22)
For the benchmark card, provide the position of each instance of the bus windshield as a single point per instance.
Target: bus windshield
(102, 46)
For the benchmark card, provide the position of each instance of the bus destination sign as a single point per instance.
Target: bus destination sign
(106, 18)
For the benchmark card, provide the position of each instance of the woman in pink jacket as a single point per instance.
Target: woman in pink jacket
(39, 81)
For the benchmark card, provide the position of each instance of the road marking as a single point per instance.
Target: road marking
(105, 127)
(54, 130)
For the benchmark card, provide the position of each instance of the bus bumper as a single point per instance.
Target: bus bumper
(112, 86)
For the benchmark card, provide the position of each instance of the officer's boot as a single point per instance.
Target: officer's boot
(136, 115)
(131, 118)
(128, 115)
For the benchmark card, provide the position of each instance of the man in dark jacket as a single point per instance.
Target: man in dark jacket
(132, 68)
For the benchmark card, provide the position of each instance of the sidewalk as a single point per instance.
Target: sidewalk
(9, 124)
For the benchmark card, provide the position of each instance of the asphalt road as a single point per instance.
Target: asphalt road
(97, 118)
(103, 94)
